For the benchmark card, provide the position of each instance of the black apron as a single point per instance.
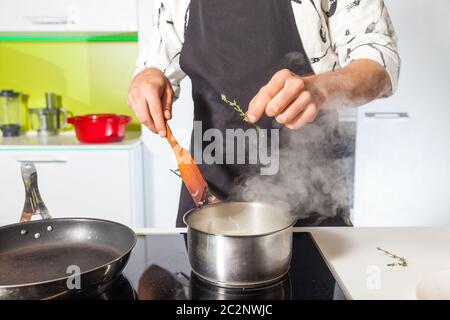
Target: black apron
(234, 48)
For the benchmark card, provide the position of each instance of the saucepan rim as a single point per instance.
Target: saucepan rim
(190, 212)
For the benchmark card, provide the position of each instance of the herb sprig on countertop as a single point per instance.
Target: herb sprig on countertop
(399, 261)
(239, 110)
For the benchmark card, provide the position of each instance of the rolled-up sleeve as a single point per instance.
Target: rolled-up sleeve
(363, 30)
(163, 49)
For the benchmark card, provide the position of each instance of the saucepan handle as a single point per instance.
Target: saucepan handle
(33, 201)
(65, 117)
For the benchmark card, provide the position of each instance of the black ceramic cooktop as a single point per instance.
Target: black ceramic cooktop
(159, 269)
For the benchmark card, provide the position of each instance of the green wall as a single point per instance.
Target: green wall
(91, 77)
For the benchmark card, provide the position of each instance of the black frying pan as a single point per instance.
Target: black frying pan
(59, 258)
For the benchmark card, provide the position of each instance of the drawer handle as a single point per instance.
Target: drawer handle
(42, 160)
(50, 20)
(387, 115)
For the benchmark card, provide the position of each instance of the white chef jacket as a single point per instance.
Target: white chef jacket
(334, 33)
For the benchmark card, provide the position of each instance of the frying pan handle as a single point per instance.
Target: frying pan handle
(33, 201)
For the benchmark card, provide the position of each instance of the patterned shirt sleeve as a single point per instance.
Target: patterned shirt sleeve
(163, 49)
(362, 29)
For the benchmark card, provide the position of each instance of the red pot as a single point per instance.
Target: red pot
(100, 128)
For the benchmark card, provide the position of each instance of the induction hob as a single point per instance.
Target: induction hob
(159, 269)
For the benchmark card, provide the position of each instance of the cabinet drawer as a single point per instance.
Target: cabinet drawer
(68, 15)
(94, 184)
(402, 172)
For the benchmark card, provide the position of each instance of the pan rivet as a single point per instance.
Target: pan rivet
(23, 232)
(49, 228)
(37, 235)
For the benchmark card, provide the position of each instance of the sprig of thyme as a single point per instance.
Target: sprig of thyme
(399, 261)
(239, 110)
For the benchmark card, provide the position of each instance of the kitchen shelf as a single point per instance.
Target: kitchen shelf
(69, 36)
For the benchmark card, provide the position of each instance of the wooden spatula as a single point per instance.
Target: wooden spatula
(190, 173)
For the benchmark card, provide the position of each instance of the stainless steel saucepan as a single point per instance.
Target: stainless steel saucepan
(240, 244)
(233, 244)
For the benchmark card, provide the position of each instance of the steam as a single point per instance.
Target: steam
(314, 161)
(312, 178)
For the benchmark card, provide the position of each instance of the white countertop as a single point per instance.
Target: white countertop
(66, 140)
(361, 269)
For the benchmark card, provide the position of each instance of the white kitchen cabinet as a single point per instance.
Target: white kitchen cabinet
(68, 16)
(403, 143)
(76, 181)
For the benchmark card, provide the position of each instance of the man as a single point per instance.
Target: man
(287, 63)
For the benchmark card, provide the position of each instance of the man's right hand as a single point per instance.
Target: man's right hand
(151, 96)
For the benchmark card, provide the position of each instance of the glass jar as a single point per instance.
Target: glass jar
(11, 117)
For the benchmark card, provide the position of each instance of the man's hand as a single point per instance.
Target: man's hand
(286, 98)
(294, 101)
(151, 96)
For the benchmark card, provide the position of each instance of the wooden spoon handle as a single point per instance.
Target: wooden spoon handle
(190, 173)
(171, 139)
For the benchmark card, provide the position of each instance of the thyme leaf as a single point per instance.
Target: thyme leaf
(239, 110)
(399, 261)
